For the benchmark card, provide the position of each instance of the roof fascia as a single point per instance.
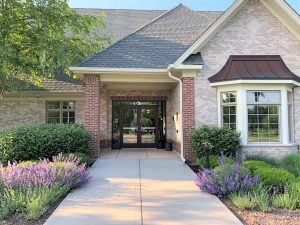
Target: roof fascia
(212, 30)
(282, 11)
(98, 70)
(223, 83)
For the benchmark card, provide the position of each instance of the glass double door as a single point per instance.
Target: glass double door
(139, 126)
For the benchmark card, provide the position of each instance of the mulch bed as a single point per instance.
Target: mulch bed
(20, 219)
(255, 217)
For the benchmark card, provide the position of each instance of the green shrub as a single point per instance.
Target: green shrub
(290, 199)
(261, 195)
(292, 163)
(274, 177)
(242, 200)
(217, 138)
(254, 165)
(257, 196)
(34, 201)
(84, 158)
(42, 141)
(213, 161)
(269, 160)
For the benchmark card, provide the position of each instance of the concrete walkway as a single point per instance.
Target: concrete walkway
(140, 186)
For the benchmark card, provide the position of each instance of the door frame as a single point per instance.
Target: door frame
(139, 143)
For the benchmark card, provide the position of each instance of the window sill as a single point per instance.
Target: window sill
(269, 145)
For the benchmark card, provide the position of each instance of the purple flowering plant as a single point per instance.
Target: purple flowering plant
(225, 180)
(60, 171)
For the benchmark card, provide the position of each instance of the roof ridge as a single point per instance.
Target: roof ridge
(149, 10)
(139, 29)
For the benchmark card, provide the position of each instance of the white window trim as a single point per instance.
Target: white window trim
(228, 104)
(242, 112)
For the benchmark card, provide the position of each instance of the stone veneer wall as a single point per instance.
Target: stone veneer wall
(29, 110)
(253, 31)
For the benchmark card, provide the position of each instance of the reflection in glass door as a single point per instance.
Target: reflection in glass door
(130, 129)
(148, 125)
(138, 124)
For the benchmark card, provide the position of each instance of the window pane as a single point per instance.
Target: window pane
(68, 117)
(263, 125)
(229, 97)
(290, 97)
(226, 110)
(53, 105)
(69, 105)
(225, 119)
(232, 109)
(53, 120)
(269, 97)
(53, 114)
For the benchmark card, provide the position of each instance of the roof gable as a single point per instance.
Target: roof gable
(157, 44)
(279, 8)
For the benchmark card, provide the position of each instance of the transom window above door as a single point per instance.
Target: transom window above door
(60, 112)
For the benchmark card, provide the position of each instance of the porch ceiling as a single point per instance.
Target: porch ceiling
(139, 86)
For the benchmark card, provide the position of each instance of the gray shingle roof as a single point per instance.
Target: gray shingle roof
(158, 44)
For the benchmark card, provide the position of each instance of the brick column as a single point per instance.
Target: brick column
(188, 116)
(92, 111)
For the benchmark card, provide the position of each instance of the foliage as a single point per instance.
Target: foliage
(39, 37)
(274, 177)
(31, 187)
(290, 199)
(255, 164)
(33, 201)
(84, 158)
(217, 138)
(269, 160)
(213, 161)
(229, 179)
(42, 141)
(242, 200)
(292, 163)
(62, 171)
(261, 195)
(256, 196)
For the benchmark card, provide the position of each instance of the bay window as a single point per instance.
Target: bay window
(263, 116)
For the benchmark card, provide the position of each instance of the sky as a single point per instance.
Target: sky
(213, 5)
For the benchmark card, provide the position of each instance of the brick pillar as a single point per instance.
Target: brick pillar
(92, 111)
(188, 116)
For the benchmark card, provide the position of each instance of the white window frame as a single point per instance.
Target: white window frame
(222, 104)
(242, 110)
(266, 104)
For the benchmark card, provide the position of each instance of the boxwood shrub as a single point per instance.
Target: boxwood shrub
(274, 177)
(42, 141)
(255, 164)
(217, 138)
(213, 161)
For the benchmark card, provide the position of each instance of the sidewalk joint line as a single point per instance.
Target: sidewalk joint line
(141, 197)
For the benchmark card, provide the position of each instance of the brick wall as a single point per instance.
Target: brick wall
(92, 111)
(253, 31)
(30, 110)
(188, 116)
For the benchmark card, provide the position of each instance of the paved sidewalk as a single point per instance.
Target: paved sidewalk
(141, 187)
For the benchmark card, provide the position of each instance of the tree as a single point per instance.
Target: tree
(40, 37)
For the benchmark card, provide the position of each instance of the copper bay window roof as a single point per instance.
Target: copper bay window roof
(254, 67)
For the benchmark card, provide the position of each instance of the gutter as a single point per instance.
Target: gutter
(181, 122)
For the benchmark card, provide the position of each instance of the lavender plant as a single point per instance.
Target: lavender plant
(228, 179)
(61, 171)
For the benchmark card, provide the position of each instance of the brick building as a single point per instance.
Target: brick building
(169, 72)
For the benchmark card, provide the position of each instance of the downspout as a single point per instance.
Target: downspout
(180, 110)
